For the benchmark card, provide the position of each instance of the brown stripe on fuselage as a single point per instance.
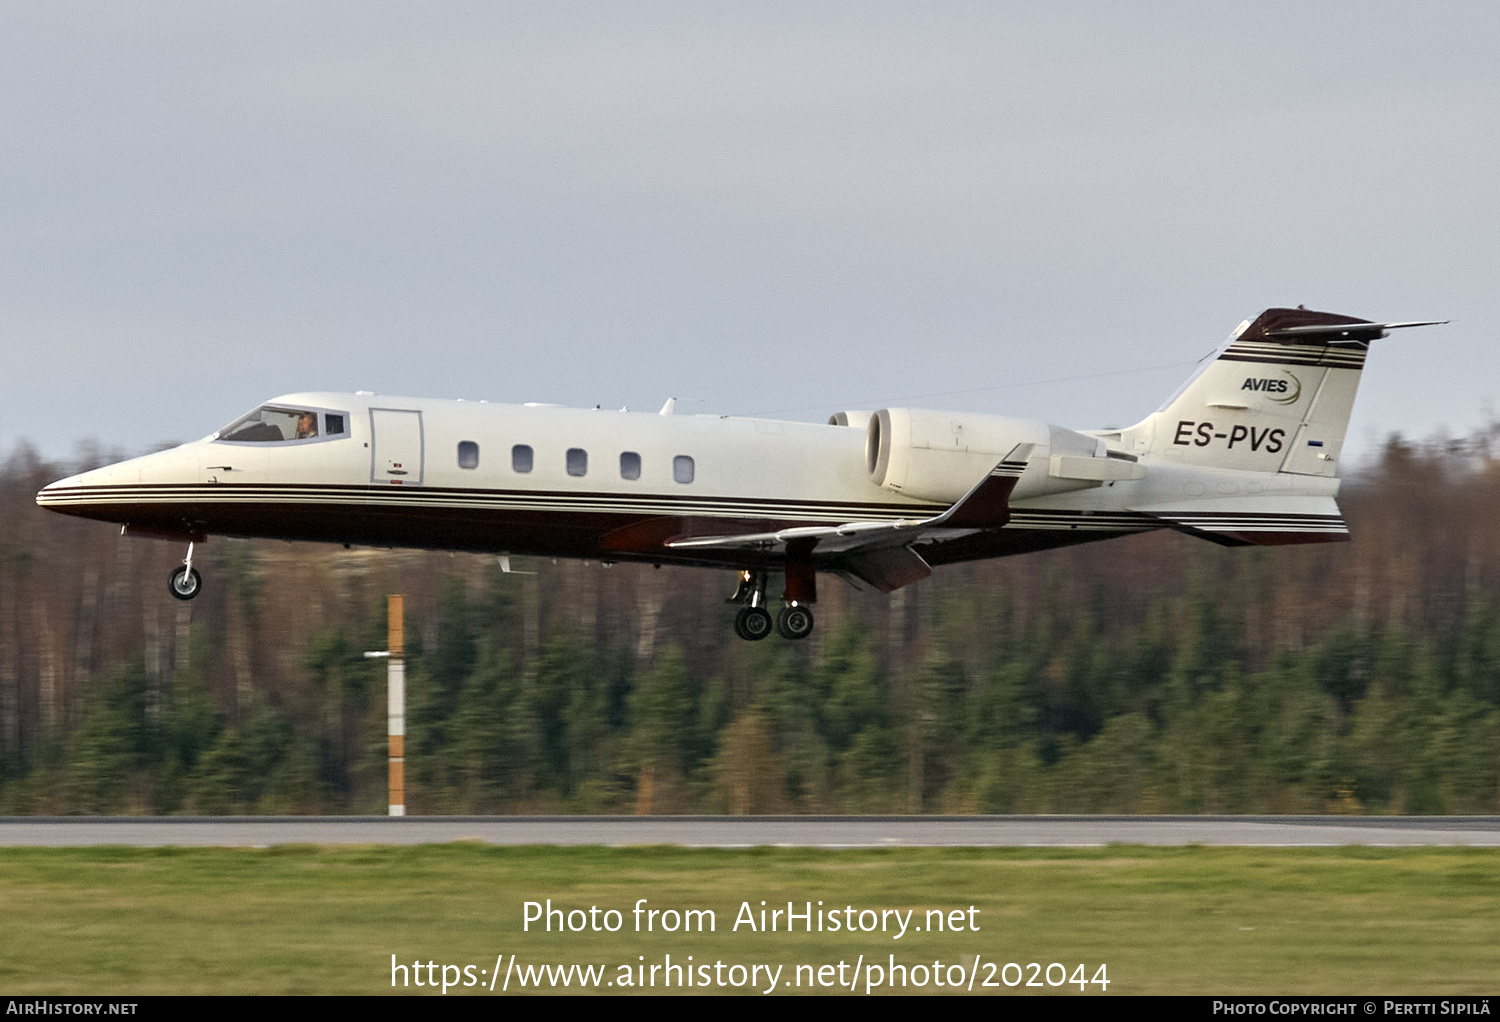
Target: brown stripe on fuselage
(399, 518)
(403, 518)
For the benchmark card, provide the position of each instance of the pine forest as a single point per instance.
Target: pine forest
(1151, 674)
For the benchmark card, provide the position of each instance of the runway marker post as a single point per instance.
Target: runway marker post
(395, 700)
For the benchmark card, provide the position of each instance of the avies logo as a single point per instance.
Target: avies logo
(1266, 386)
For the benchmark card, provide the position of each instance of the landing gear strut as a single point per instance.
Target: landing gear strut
(185, 582)
(753, 621)
(796, 620)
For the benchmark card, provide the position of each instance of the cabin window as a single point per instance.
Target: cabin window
(269, 424)
(578, 461)
(520, 458)
(630, 465)
(682, 468)
(468, 454)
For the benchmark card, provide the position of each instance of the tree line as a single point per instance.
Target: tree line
(1154, 673)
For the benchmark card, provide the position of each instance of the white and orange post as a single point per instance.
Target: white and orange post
(396, 705)
(395, 689)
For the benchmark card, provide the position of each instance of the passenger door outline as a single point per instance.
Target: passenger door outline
(396, 447)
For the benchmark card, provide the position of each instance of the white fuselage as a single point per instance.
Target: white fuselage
(554, 481)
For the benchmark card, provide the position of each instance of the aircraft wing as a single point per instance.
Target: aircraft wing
(880, 552)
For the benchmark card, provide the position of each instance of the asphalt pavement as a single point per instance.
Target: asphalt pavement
(751, 831)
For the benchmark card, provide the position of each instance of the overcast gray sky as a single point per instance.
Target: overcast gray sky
(758, 208)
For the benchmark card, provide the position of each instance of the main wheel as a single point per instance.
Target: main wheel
(752, 623)
(185, 583)
(795, 622)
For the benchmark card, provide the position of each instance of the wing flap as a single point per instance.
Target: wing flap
(888, 568)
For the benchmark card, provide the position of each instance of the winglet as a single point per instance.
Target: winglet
(987, 505)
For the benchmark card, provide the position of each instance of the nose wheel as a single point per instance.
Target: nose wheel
(185, 582)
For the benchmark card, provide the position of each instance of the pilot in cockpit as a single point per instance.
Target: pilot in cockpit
(307, 425)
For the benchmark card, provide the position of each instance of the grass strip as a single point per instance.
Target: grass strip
(326, 920)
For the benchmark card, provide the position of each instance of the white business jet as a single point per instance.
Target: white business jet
(1245, 453)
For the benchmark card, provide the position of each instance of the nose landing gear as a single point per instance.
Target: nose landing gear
(185, 582)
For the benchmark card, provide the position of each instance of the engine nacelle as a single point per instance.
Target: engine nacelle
(940, 456)
(854, 419)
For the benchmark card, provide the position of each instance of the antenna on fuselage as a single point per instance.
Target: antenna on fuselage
(669, 407)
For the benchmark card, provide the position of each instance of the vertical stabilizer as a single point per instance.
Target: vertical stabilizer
(1275, 398)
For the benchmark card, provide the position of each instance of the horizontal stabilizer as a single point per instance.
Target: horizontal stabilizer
(1256, 520)
(1344, 333)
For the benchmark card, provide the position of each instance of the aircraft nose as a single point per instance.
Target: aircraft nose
(98, 493)
(48, 494)
(89, 493)
(131, 491)
(63, 495)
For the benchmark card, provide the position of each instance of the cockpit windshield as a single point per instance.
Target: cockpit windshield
(270, 424)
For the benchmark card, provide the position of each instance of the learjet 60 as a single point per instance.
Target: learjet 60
(1245, 453)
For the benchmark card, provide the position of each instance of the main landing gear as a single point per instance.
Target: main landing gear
(795, 621)
(753, 622)
(185, 582)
